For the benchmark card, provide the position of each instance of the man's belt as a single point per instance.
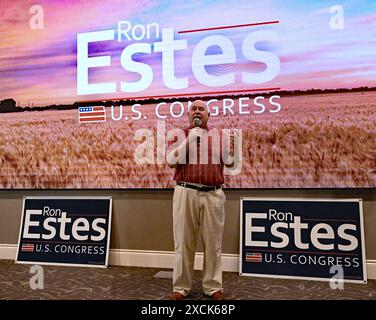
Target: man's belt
(197, 186)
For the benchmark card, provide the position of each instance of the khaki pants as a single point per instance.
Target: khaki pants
(193, 209)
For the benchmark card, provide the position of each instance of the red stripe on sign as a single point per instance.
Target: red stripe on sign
(28, 247)
(92, 119)
(188, 94)
(84, 114)
(313, 252)
(98, 108)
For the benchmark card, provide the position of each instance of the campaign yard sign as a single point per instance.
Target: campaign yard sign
(316, 239)
(71, 231)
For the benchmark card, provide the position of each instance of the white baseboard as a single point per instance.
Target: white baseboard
(165, 259)
(371, 269)
(162, 259)
(8, 251)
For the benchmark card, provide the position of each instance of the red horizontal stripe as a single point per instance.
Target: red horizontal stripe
(93, 119)
(310, 252)
(87, 114)
(98, 108)
(67, 242)
(182, 95)
(324, 219)
(230, 27)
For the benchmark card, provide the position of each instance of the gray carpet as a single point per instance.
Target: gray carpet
(134, 283)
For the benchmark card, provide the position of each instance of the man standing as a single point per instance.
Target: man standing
(198, 202)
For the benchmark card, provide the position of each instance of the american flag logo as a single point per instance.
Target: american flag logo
(91, 114)
(253, 257)
(27, 247)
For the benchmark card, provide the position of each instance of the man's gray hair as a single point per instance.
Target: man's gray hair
(199, 101)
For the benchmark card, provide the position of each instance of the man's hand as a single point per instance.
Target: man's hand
(195, 133)
(179, 154)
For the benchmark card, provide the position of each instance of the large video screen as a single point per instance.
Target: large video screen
(92, 91)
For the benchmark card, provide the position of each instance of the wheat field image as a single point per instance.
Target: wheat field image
(315, 141)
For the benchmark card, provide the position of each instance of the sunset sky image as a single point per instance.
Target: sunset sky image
(39, 67)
